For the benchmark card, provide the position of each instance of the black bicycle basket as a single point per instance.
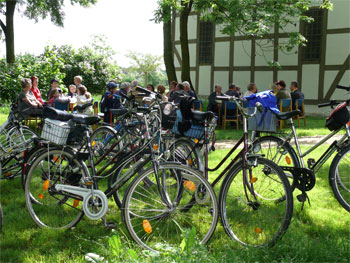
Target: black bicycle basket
(339, 117)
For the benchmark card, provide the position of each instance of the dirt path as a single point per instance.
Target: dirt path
(309, 140)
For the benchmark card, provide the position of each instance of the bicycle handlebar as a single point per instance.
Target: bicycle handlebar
(343, 87)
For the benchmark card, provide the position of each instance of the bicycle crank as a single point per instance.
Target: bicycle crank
(95, 202)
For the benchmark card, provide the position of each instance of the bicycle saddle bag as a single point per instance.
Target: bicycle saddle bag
(339, 117)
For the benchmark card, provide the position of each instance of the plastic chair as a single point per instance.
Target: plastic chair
(61, 106)
(245, 104)
(230, 114)
(299, 105)
(285, 105)
(198, 105)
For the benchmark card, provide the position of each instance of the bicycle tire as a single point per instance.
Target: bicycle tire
(166, 231)
(285, 157)
(339, 177)
(1, 216)
(48, 207)
(263, 217)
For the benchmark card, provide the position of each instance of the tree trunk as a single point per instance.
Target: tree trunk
(9, 31)
(168, 52)
(185, 54)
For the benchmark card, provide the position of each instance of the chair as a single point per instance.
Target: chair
(230, 114)
(285, 105)
(198, 105)
(61, 106)
(299, 105)
(245, 104)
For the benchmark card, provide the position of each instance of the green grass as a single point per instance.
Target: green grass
(318, 233)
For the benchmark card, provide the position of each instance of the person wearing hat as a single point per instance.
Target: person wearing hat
(109, 101)
(282, 92)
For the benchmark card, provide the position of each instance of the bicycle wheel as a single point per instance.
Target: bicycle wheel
(256, 211)
(157, 224)
(47, 206)
(279, 152)
(339, 177)
(0, 218)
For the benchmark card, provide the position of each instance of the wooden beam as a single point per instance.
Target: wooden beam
(231, 60)
(345, 30)
(177, 54)
(321, 74)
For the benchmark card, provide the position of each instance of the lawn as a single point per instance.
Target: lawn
(318, 233)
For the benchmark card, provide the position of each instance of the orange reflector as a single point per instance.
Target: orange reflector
(258, 230)
(288, 160)
(189, 161)
(253, 180)
(75, 203)
(88, 183)
(93, 143)
(190, 185)
(147, 226)
(7, 174)
(41, 196)
(46, 185)
(55, 159)
(155, 147)
(196, 141)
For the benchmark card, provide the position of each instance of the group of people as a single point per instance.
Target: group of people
(31, 101)
(279, 89)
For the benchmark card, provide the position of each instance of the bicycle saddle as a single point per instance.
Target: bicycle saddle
(202, 116)
(287, 115)
(118, 112)
(84, 119)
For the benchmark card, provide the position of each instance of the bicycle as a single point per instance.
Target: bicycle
(255, 198)
(60, 189)
(280, 151)
(15, 139)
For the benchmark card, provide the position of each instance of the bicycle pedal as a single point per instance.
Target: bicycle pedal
(301, 197)
(212, 148)
(110, 224)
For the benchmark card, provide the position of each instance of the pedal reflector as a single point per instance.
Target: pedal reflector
(288, 160)
(56, 159)
(7, 174)
(190, 185)
(189, 161)
(258, 230)
(46, 185)
(41, 196)
(75, 203)
(147, 226)
(93, 143)
(253, 180)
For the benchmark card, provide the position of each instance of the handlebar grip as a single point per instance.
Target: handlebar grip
(343, 87)
(226, 98)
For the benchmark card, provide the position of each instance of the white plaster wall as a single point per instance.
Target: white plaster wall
(221, 78)
(294, 27)
(339, 16)
(178, 75)
(329, 77)
(310, 81)
(242, 51)
(288, 58)
(204, 80)
(192, 27)
(288, 77)
(263, 56)
(263, 80)
(222, 54)
(177, 29)
(338, 48)
(176, 61)
(193, 78)
(242, 79)
(192, 48)
(218, 31)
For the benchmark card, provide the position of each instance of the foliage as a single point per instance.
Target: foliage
(144, 64)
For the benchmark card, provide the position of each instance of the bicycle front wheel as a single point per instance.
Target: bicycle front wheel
(47, 206)
(339, 177)
(256, 210)
(158, 224)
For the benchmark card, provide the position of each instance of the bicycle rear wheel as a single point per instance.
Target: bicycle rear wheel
(339, 177)
(47, 206)
(256, 210)
(158, 226)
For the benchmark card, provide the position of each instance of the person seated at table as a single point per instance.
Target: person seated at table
(150, 87)
(161, 91)
(53, 85)
(109, 101)
(55, 97)
(84, 99)
(251, 89)
(28, 104)
(178, 93)
(213, 105)
(72, 91)
(282, 92)
(232, 90)
(77, 81)
(296, 94)
(34, 89)
(172, 87)
(187, 89)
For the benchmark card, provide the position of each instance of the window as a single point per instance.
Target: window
(205, 42)
(313, 33)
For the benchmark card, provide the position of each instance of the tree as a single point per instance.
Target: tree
(32, 9)
(144, 64)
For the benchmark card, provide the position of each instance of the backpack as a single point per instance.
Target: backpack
(339, 117)
(103, 102)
